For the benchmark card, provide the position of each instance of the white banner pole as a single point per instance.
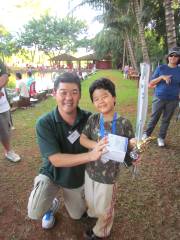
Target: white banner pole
(142, 107)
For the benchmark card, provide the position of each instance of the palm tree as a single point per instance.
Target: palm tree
(138, 12)
(170, 24)
(122, 21)
(118, 7)
(131, 51)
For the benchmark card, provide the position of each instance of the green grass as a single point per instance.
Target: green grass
(126, 92)
(146, 208)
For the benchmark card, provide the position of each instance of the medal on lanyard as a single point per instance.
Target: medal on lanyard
(101, 125)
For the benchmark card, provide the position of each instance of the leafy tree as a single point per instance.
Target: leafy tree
(116, 10)
(120, 17)
(156, 48)
(108, 43)
(7, 43)
(53, 35)
(154, 16)
(150, 22)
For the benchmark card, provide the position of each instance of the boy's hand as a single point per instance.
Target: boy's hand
(132, 143)
(98, 150)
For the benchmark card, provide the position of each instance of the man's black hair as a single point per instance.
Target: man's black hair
(67, 77)
(102, 83)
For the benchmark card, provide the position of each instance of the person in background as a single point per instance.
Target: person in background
(126, 70)
(30, 79)
(63, 157)
(22, 91)
(166, 84)
(100, 177)
(9, 101)
(5, 118)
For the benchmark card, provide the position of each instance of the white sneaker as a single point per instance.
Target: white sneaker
(144, 136)
(48, 219)
(160, 142)
(12, 156)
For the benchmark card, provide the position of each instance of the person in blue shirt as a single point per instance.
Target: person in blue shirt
(166, 81)
(30, 79)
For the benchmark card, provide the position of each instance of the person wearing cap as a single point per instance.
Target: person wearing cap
(64, 159)
(166, 84)
(5, 118)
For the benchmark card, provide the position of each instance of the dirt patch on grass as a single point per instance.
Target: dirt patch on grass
(146, 208)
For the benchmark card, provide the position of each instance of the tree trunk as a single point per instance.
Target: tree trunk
(138, 14)
(131, 52)
(124, 53)
(170, 24)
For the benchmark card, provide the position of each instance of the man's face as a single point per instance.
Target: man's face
(67, 97)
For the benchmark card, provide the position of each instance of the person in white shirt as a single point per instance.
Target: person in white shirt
(5, 122)
(22, 90)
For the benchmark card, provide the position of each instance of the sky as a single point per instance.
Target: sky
(16, 13)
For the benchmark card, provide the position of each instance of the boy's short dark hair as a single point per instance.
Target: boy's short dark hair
(102, 83)
(67, 77)
(19, 75)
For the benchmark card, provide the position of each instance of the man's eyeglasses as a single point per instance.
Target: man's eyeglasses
(173, 55)
(64, 93)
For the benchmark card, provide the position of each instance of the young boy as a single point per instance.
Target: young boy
(100, 177)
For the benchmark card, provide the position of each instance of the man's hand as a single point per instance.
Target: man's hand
(98, 150)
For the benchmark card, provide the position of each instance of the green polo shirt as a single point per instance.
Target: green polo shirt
(52, 134)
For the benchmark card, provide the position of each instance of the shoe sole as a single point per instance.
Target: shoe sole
(54, 212)
(50, 226)
(13, 160)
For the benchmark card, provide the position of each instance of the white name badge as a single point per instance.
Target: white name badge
(73, 136)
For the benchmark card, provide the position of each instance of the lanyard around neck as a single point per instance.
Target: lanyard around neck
(101, 125)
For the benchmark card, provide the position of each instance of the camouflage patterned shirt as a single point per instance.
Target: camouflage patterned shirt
(99, 171)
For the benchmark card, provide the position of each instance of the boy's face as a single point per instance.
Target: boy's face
(103, 101)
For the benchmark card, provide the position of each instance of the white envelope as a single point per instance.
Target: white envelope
(116, 149)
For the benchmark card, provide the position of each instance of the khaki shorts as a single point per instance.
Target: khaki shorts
(5, 124)
(43, 193)
(100, 200)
